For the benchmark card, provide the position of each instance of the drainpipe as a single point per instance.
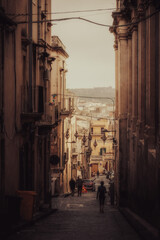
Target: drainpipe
(45, 29)
(2, 79)
(38, 9)
(2, 140)
(63, 84)
(63, 143)
(30, 54)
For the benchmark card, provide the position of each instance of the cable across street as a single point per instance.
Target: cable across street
(92, 22)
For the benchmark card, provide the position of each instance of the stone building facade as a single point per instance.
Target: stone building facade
(25, 116)
(136, 28)
(62, 102)
(102, 156)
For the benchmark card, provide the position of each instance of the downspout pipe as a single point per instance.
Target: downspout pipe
(63, 84)
(30, 54)
(38, 9)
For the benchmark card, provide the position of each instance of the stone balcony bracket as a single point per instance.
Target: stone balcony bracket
(149, 134)
(141, 10)
(122, 116)
(149, 130)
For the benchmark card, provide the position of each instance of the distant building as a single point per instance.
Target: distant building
(102, 156)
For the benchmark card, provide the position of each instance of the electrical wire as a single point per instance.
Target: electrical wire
(65, 19)
(65, 12)
(96, 23)
(82, 11)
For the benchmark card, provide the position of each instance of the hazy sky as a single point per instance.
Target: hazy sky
(91, 55)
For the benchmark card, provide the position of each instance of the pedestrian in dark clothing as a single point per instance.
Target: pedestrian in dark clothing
(79, 186)
(101, 196)
(97, 173)
(72, 184)
(111, 192)
(107, 175)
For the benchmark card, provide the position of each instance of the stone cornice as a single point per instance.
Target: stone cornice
(121, 15)
(123, 36)
(147, 3)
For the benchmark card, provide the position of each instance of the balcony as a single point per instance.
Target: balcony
(57, 112)
(44, 127)
(65, 113)
(32, 104)
(74, 152)
(96, 158)
(96, 134)
(67, 107)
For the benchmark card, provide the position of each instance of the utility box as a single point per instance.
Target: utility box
(27, 204)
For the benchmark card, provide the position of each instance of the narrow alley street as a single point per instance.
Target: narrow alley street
(79, 104)
(79, 218)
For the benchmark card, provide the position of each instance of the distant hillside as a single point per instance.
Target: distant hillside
(95, 92)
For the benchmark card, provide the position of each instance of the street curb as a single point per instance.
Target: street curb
(143, 228)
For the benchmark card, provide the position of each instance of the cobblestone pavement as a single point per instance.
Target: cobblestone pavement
(79, 218)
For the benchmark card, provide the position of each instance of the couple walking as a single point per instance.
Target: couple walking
(73, 184)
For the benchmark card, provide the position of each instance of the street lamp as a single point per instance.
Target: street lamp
(89, 137)
(95, 143)
(67, 134)
(104, 138)
(76, 134)
(84, 139)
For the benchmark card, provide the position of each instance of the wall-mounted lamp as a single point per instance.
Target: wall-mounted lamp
(104, 138)
(84, 139)
(95, 143)
(89, 137)
(67, 133)
(76, 135)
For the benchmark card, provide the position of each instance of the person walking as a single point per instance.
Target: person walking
(101, 196)
(79, 186)
(72, 184)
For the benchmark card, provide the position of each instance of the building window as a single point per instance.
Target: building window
(102, 130)
(102, 151)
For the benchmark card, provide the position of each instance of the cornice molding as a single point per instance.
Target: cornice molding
(121, 15)
(123, 36)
